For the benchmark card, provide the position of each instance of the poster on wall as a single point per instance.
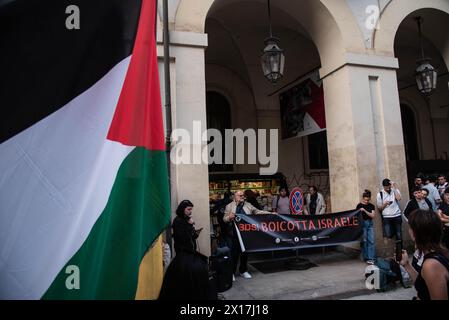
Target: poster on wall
(302, 108)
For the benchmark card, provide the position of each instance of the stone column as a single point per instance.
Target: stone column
(190, 181)
(364, 131)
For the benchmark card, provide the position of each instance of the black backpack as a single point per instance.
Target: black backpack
(221, 265)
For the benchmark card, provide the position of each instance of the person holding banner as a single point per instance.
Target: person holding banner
(239, 206)
(368, 213)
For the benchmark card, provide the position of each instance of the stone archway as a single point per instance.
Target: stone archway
(331, 26)
(235, 41)
(395, 13)
(398, 37)
(432, 120)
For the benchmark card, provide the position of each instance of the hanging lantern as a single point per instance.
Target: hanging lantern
(272, 60)
(426, 76)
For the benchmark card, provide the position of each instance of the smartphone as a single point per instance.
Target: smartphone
(398, 251)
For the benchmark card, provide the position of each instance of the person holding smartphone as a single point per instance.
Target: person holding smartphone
(187, 274)
(432, 280)
(184, 232)
(388, 205)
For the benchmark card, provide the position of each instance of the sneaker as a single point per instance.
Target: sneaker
(246, 275)
(370, 262)
(233, 278)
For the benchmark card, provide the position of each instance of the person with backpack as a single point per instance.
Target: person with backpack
(418, 202)
(281, 204)
(388, 205)
(432, 281)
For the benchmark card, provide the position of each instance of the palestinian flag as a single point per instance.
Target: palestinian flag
(83, 172)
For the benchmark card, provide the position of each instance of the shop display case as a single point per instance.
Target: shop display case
(266, 187)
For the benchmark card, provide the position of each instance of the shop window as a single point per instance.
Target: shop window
(409, 132)
(218, 117)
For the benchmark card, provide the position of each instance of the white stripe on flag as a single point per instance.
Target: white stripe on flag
(55, 180)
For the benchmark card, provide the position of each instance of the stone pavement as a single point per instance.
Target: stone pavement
(338, 275)
(398, 294)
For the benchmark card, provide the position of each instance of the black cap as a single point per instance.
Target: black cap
(386, 182)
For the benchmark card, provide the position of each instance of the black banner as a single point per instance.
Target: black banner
(267, 232)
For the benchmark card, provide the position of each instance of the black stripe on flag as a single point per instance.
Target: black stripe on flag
(44, 65)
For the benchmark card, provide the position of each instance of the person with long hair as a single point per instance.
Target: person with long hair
(187, 275)
(432, 281)
(184, 233)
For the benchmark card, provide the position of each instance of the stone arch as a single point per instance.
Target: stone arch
(331, 26)
(411, 131)
(241, 100)
(425, 135)
(395, 13)
(217, 84)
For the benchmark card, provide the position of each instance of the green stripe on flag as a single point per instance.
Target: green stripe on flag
(136, 213)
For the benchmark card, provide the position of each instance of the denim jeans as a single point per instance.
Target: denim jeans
(368, 247)
(393, 228)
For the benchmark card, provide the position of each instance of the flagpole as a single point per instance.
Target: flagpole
(168, 120)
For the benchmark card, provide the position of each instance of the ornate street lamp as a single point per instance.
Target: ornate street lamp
(273, 58)
(426, 75)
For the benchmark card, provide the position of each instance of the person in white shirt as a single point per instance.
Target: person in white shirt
(388, 205)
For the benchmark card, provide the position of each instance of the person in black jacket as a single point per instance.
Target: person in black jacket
(419, 202)
(184, 233)
(187, 275)
(225, 235)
